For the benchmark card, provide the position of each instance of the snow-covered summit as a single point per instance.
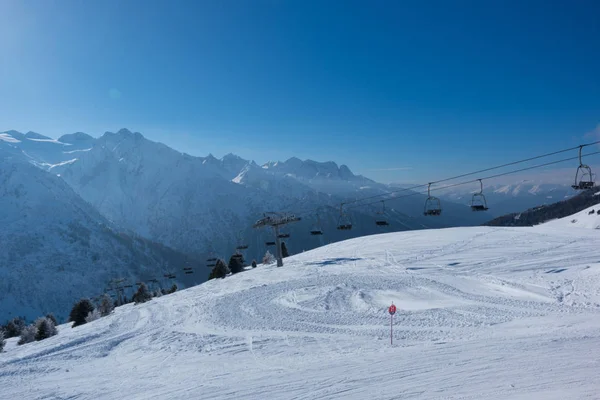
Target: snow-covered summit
(45, 152)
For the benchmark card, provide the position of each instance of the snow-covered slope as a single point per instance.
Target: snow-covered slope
(588, 218)
(55, 247)
(197, 204)
(483, 313)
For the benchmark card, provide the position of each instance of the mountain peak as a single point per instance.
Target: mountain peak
(35, 135)
(231, 156)
(125, 133)
(15, 134)
(75, 137)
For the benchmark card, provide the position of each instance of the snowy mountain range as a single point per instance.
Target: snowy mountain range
(206, 205)
(200, 206)
(57, 248)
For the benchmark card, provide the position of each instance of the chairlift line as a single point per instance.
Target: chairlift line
(584, 179)
(488, 177)
(577, 185)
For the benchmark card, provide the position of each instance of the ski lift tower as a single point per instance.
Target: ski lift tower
(275, 220)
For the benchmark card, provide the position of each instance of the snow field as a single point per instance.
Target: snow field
(494, 313)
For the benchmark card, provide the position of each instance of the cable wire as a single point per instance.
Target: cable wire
(476, 180)
(344, 204)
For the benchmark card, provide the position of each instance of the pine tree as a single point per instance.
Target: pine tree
(45, 328)
(80, 311)
(268, 258)
(142, 295)
(52, 318)
(253, 263)
(93, 315)
(220, 270)
(106, 305)
(173, 289)
(14, 327)
(284, 250)
(2, 341)
(27, 334)
(236, 263)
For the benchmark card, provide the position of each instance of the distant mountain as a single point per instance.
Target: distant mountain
(57, 248)
(45, 152)
(207, 205)
(544, 213)
(78, 139)
(204, 204)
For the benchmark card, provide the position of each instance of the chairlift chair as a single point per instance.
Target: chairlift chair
(270, 243)
(316, 229)
(344, 222)
(381, 221)
(583, 177)
(283, 235)
(242, 246)
(478, 201)
(433, 206)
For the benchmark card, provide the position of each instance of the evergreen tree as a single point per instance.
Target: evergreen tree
(173, 289)
(52, 318)
(14, 327)
(93, 315)
(2, 341)
(236, 263)
(284, 250)
(253, 263)
(80, 311)
(106, 305)
(45, 328)
(142, 295)
(268, 258)
(27, 334)
(220, 270)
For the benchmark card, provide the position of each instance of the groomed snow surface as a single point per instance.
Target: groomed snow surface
(483, 313)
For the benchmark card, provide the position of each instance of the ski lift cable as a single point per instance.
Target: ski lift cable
(478, 172)
(477, 180)
(346, 203)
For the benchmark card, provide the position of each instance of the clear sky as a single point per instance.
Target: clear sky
(397, 90)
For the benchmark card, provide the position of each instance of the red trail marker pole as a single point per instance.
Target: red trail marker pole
(392, 311)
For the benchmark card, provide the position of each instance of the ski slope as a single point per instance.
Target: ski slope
(587, 219)
(483, 313)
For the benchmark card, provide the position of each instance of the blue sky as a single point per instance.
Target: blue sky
(397, 90)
